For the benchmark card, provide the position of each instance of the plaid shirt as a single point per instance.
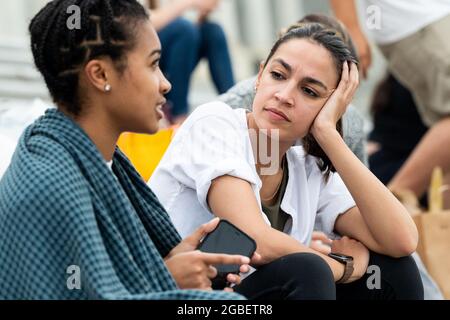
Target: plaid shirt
(61, 206)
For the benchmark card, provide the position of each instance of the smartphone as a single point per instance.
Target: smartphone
(227, 238)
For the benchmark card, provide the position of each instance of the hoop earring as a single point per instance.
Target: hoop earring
(107, 87)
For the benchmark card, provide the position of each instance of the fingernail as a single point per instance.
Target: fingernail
(245, 260)
(215, 219)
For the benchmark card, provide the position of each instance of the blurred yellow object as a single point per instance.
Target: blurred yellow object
(435, 196)
(145, 150)
(434, 237)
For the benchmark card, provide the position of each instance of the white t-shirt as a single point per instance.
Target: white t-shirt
(399, 19)
(110, 164)
(214, 141)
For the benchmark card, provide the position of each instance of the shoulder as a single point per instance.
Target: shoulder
(216, 115)
(212, 131)
(45, 176)
(353, 119)
(214, 108)
(353, 113)
(240, 95)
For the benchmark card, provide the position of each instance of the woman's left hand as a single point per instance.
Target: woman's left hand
(339, 100)
(320, 242)
(355, 249)
(191, 243)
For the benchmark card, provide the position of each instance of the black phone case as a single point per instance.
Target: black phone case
(220, 281)
(249, 254)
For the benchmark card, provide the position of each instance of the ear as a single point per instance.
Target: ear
(260, 72)
(96, 72)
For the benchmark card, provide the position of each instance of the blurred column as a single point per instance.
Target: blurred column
(256, 23)
(226, 16)
(13, 24)
(316, 6)
(286, 12)
(15, 17)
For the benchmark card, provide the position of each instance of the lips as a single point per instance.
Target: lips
(162, 102)
(159, 107)
(279, 113)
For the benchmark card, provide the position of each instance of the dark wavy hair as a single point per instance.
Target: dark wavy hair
(332, 40)
(108, 28)
(331, 23)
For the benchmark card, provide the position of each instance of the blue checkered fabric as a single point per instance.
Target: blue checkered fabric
(61, 206)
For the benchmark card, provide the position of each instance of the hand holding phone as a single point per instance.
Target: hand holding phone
(227, 238)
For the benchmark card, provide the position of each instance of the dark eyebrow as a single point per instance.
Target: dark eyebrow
(306, 79)
(284, 64)
(316, 82)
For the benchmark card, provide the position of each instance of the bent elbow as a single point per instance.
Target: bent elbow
(411, 246)
(406, 247)
(407, 242)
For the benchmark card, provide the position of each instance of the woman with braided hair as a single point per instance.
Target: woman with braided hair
(76, 219)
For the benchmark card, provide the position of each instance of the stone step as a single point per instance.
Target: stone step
(14, 88)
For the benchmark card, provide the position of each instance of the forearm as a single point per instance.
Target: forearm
(388, 222)
(273, 244)
(345, 11)
(161, 17)
(431, 152)
(230, 197)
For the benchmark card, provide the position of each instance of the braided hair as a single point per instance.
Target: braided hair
(107, 28)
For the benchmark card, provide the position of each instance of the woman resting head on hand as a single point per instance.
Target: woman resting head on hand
(218, 165)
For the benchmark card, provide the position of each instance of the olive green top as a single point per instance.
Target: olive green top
(276, 215)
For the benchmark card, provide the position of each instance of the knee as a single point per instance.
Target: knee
(212, 32)
(309, 264)
(402, 275)
(310, 273)
(409, 273)
(185, 30)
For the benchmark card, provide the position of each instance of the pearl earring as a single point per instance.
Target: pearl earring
(107, 87)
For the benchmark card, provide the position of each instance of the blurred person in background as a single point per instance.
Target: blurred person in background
(413, 37)
(397, 129)
(184, 44)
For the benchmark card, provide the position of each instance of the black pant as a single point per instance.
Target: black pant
(306, 276)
